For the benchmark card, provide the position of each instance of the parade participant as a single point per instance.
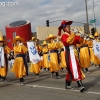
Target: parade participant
(96, 59)
(45, 50)
(90, 45)
(62, 55)
(54, 59)
(35, 68)
(3, 54)
(20, 67)
(69, 40)
(84, 54)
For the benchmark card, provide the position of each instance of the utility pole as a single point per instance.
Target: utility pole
(87, 17)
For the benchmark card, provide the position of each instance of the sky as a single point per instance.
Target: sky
(38, 11)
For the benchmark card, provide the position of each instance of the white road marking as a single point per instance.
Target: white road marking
(34, 86)
(37, 86)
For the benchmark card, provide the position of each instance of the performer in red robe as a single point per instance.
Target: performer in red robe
(69, 39)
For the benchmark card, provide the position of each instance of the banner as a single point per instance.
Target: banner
(96, 48)
(33, 53)
(2, 57)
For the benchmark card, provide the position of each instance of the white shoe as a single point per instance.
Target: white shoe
(58, 77)
(69, 87)
(5, 81)
(87, 72)
(52, 75)
(21, 83)
(37, 76)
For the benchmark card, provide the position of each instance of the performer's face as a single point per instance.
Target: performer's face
(51, 40)
(1, 43)
(44, 46)
(18, 41)
(68, 28)
(96, 37)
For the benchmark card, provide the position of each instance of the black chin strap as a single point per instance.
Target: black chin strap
(66, 30)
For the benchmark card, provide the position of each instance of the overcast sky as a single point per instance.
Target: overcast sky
(38, 11)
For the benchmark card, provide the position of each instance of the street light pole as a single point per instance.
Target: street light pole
(93, 13)
(87, 17)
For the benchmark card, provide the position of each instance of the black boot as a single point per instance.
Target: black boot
(44, 69)
(68, 85)
(80, 85)
(52, 74)
(22, 81)
(62, 69)
(57, 75)
(4, 79)
(48, 69)
(37, 75)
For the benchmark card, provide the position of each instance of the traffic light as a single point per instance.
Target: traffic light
(86, 28)
(93, 30)
(47, 23)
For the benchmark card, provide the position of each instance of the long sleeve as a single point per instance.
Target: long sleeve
(70, 39)
(20, 49)
(7, 49)
(90, 43)
(53, 45)
(44, 49)
(60, 44)
(24, 49)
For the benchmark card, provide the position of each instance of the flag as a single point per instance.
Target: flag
(1, 56)
(96, 48)
(33, 53)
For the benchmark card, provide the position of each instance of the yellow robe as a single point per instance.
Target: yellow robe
(35, 68)
(54, 66)
(90, 45)
(4, 70)
(62, 56)
(19, 67)
(45, 62)
(84, 55)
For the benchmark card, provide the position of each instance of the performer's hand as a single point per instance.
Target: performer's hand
(75, 30)
(20, 44)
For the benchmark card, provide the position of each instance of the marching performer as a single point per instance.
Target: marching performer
(84, 55)
(62, 56)
(54, 57)
(96, 59)
(36, 67)
(20, 67)
(90, 45)
(4, 50)
(45, 50)
(69, 40)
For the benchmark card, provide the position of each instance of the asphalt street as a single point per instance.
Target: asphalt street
(47, 88)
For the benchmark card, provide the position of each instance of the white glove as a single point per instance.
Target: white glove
(8, 55)
(84, 38)
(88, 39)
(75, 30)
(81, 35)
(57, 40)
(20, 44)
